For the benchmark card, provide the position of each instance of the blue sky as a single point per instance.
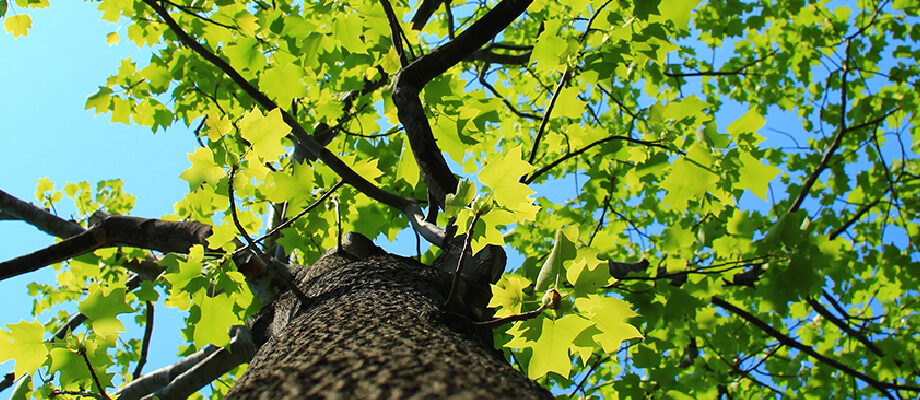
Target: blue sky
(46, 133)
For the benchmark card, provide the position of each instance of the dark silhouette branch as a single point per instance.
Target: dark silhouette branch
(145, 344)
(859, 214)
(396, 33)
(424, 11)
(582, 150)
(114, 231)
(407, 86)
(487, 85)
(845, 327)
(92, 373)
(784, 339)
(512, 318)
(464, 250)
(546, 116)
(291, 220)
(38, 217)
(842, 129)
(430, 65)
(193, 372)
(189, 11)
(737, 71)
(488, 56)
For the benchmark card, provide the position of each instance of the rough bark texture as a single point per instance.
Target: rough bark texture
(375, 329)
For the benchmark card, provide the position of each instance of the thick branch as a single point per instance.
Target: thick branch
(38, 217)
(407, 86)
(424, 11)
(115, 230)
(426, 67)
(190, 374)
(488, 56)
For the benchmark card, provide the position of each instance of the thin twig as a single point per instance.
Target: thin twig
(541, 171)
(463, 251)
(396, 34)
(236, 220)
(93, 373)
(511, 318)
(546, 116)
(145, 344)
(825, 160)
(288, 222)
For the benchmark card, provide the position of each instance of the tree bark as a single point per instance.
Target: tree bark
(375, 328)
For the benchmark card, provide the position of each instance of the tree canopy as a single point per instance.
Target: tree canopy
(709, 199)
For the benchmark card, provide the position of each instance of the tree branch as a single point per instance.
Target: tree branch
(487, 85)
(788, 341)
(192, 373)
(410, 81)
(430, 65)
(580, 151)
(846, 328)
(396, 34)
(837, 139)
(546, 115)
(38, 217)
(114, 230)
(145, 344)
(306, 140)
(859, 213)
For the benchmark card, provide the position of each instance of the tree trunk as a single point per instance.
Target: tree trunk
(375, 329)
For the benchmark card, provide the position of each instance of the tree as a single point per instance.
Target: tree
(679, 247)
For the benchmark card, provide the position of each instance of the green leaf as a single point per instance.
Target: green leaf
(460, 200)
(246, 54)
(186, 274)
(102, 308)
(25, 343)
(748, 123)
(217, 317)
(755, 176)
(101, 101)
(508, 295)
(203, 169)
(264, 133)
(501, 174)
(609, 316)
(283, 83)
(3, 6)
(407, 169)
(551, 350)
(568, 104)
(689, 178)
(563, 250)
(587, 273)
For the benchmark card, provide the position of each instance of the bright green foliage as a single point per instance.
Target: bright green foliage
(760, 156)
(103, 308)
(563, 250)
(25, 343)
